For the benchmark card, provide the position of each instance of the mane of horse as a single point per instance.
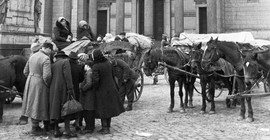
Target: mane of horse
(175, 57)
(231, 53)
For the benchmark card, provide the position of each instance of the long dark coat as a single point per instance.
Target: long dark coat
(36, 93)
(60, 34)
(60, 85)
(77, 73)
(122, 71)
(107, 99)
(81, 32)
(87, 98)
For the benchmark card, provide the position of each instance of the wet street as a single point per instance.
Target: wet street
(150, 120)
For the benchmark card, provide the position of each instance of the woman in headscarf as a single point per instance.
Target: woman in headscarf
(62, 35)
(84, 30)
(107, 99)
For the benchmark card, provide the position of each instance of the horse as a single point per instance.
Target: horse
(230, 52)
(174, 58)
(211, 77)
(13, 67)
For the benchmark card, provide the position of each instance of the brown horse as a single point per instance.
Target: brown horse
(212, 78)
(231, 53)
(178, 59)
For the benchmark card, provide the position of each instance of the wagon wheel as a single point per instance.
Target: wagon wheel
(10, 99)
(138, 85)
(208, 95)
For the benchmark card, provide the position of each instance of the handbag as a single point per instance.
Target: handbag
(71, 106)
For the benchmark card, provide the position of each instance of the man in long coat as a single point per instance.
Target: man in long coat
(36, 94)
(107, 99)
(126, 81)
(61, 86)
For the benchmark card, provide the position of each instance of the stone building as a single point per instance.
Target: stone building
(148, 17)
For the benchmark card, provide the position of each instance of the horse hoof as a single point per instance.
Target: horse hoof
(240, 118)
(182, 111)
(170, 110)
(249, 119)
(212, 112)
(202, 112)
(185, 106)
(190, 105)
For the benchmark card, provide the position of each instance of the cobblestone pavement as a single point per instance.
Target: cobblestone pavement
(150, 116)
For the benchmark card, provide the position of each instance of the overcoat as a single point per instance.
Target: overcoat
(81, 32)
(87, 98)
(60, 34)
(107, 99)
(36, 94)
(77, 73)
(60, 86)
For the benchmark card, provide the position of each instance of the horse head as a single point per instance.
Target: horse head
(150, 62)
(196, 56)
(211, 54)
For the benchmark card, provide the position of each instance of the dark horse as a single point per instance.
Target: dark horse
(212, 77)
(11, 75)
(231, 53)
(178, 59)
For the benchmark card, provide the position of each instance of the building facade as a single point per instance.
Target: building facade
(22, 20)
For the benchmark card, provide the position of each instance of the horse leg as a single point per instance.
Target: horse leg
(203, 86)
(212, 96)
(250, 110)
(230, 88)
(180, 84)
(172, 85)
(191, 90)
(243, 107)
(186, 86)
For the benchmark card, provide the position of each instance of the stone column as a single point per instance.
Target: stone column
(134, 16)
(148, 17)
(211, 16)
(120, 13)
(167, 17)
(179, 16)
(219, 16)
(93, 15)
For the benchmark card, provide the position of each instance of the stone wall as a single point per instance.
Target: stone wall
(246, 15)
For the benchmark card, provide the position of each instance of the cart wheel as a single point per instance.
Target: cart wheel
(266, 86)
(138, 85)
(9, 99)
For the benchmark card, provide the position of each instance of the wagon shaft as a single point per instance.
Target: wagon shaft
(183, 71)
(262, 94)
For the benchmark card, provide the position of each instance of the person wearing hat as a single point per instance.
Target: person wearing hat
(84, 30)
(107, 100)
(123, 37)
(62, 35)
(36, 94)
(77, 73)
(60, 87)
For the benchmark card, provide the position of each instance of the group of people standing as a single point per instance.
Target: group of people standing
(51, 82)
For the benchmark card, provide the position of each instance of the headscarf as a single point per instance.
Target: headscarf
(61, 18)
(98, 56)
(82, 23)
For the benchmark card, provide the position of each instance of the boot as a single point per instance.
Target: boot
(36, 130)
(105, 127)
(23, 120)
(46, 126)
(129, 107)
(57, 132)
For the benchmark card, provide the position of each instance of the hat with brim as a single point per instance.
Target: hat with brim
(73, 55)
(60, 54)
